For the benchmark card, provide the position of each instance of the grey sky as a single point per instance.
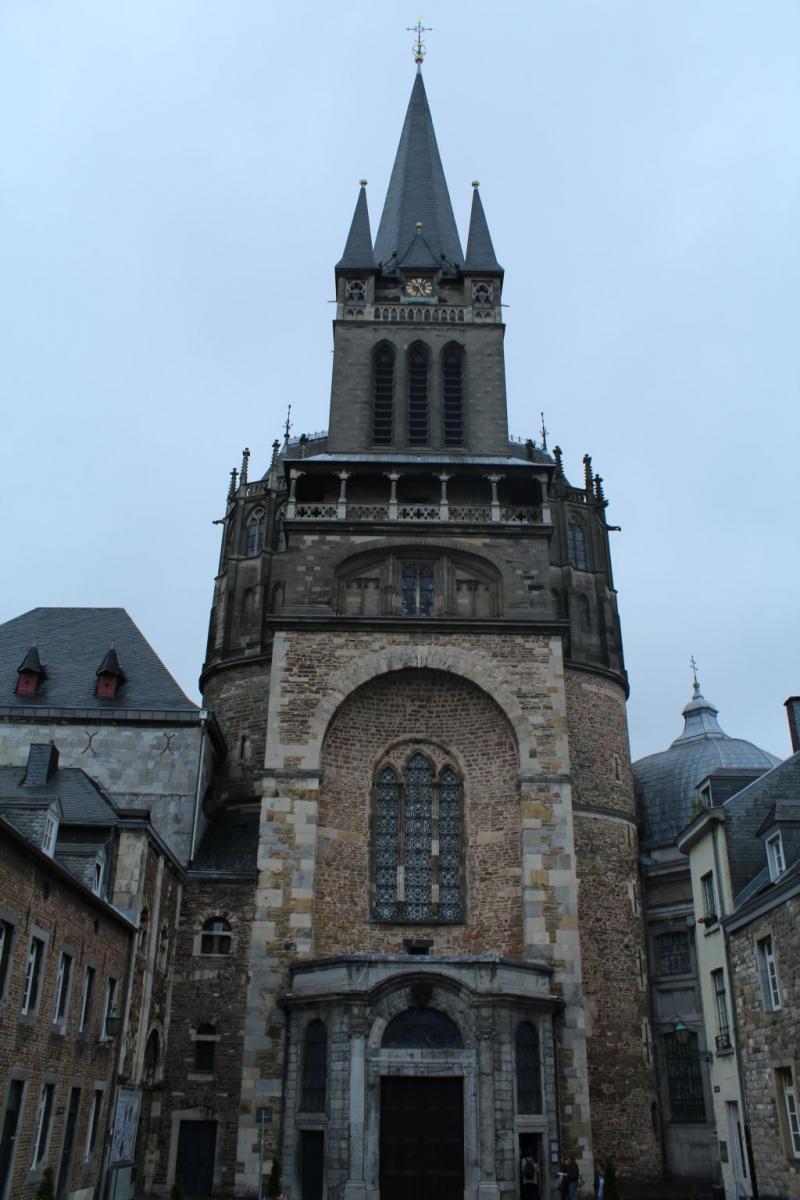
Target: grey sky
(176, 182)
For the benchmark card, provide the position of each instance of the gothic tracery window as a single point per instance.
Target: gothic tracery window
(418, 843)
(254, 532)
(576, 537)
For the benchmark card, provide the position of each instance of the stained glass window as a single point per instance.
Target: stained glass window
(684, 1081)
(577, 545)
(529, 1070)
(254, 529)
(315, 1068)
(422, 1029)
(417, 851)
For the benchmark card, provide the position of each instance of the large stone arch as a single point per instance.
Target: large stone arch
(478, 668)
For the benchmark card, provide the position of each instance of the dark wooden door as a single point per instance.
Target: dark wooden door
(9, 1135)
(422, 1139)
(69, 1141)
(312, 1163)
(197, 1143)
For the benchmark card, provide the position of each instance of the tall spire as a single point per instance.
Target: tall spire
(480, 251)
(358, 248)
(418, 193)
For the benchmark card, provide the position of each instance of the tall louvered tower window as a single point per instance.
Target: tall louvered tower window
(453, 394)
(383, 395)
(418, 396)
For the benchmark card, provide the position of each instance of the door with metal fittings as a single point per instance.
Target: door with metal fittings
(422, 1138)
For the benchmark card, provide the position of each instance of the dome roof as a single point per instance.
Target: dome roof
(666, 782)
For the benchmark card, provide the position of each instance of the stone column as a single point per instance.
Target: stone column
(393, 477)
(292, 501)
(487, 1184)
(444, 508)
(356, 1188)
(341, 507)
(494, 480)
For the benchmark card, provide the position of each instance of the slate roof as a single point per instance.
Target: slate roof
(480, 251)
(230, 843)
(83, 802)
(666, 782)
(358, 247)
(71, 642)
(745, 813)
(418, 192)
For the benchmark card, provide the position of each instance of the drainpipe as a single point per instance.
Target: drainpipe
(200, 763)
(548, 1164)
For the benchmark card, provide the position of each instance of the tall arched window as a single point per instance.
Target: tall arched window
(254, 532)
(585, 610)
(576, 536)
(453, 395)
(418, 372)
(418, 844)
(151, 1059)
(315, 1068)
(529, 1069)
(383, 395)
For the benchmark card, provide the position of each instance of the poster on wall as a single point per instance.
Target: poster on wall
(126, 1121)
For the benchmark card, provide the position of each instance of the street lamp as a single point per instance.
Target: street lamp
(683, 1036)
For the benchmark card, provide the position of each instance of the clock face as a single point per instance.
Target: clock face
(419, 287)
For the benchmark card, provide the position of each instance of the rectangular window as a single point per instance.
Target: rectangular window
(6, 943)
(768, 973)
(786, 1088)
(109, 1007)
(49, 836)
(33, 976)
(94, 1123)
(775, 859)
(721, 1000)
(88, 996)
(41, 1134)
(673, 956)
(61, 996)
(710, 915)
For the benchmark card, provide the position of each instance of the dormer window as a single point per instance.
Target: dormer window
(50, 834)
(775, 857)
(30, 672)
(109, 676)
(97, 878)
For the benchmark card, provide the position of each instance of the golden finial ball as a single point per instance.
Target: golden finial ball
(476, 183)
(363, 182)
(419, 224)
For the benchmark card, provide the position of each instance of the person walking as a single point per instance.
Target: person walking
(529, 1171)
(570, 1179)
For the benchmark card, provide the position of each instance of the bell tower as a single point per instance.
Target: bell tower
(415, 654)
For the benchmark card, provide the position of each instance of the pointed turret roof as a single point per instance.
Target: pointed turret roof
(358, 247)
(480, 251)
(418, 193)
(110, 664)
(31, 662)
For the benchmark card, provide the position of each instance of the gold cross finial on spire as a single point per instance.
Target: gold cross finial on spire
(695, 683)
(419, 45)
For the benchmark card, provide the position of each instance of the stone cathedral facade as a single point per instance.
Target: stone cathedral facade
(415, 655)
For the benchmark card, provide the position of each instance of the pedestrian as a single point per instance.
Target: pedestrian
(529, 1171)
(572, 1175)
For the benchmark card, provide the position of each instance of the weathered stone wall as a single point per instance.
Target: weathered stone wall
(206, 989)
(239, 696)
(619, 1035)
(32, 1046)
(769, 1042)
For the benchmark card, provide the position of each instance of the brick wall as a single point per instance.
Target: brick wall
(769, 1042)
(32, 1047)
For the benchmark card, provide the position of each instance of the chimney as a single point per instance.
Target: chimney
(792, 706)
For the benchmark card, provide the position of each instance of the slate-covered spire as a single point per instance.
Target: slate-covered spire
(480, 251)
(358, 254)
(418, 193)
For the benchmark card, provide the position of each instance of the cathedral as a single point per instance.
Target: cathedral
(423, 841)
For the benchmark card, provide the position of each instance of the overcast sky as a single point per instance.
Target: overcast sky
(176, 182)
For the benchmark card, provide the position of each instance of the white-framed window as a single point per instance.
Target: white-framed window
(94, 1124)
(786, 1087)
(41, 1129)
(97, 878)
(768, 974)
(721, 1001)
(50, 834)
(216, 936)
(33, 976)
(88, 996)
(109, 1006)
(775, 858)
(61, 993)
(710, 914)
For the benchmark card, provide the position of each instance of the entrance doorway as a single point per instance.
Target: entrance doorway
(194, 1164)
(312, 1163)
(530, 1166)
(422, 1138)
